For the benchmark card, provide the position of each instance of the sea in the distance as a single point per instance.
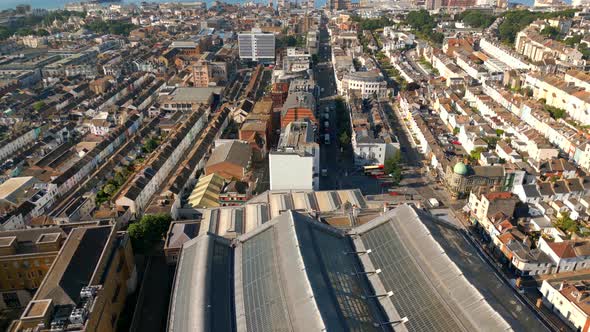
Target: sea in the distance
(57, 4)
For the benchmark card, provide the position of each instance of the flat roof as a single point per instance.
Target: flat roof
(13, 184)
(188, 94)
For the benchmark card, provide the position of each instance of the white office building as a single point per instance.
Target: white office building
(256, 46)
(295, 164)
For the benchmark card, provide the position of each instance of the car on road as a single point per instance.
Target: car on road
(393, 193)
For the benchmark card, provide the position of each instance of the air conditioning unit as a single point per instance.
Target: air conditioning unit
(78, 316)
(88, 292)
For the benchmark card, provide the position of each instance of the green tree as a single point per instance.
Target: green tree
(119, 178)
(150, 145)
(477, 18)
(109, 189)
(149, 230)
(567, 224)
(420, 20)
(314, 59)
(5, 33)
(25, 32)
(38, 105)
(393, 167)
(475, 154)
(551, 32)
(101, 197)
(516, 20)
(112, 27)
(573, 40)
(556, 113)
(344, 138)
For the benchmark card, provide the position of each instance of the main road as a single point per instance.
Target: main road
(335, 158)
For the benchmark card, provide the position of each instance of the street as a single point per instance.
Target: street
(338, 160)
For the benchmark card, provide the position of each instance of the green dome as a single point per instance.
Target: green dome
(460, 168)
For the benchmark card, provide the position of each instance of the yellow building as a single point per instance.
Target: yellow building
(25, 257)
(86, 287)
(206, 192)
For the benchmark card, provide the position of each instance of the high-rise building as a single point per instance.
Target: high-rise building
(256, 46)
(339, 4)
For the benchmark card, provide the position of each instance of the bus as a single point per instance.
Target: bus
(373, 170)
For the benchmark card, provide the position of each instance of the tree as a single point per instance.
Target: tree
(475, 154)
(109, 189)
(567, 224)
(42, 33)
(551, 32)
(150, 229)
(393, 167)
(38, 106)
(101, 197)
(112, 27)
(516, 20)
(150, 145)
(573, 40)
(119, 178)
(314, 59)
(420, 20)
(556, 113)
(344, 138)
(477, 18)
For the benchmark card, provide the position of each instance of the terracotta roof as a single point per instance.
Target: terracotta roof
(562, 249)
(506, 237)
(498, 195)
